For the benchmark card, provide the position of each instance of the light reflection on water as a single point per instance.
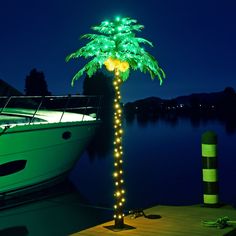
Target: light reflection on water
(162, 165)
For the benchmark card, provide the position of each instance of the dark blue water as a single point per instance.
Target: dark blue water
(162, 165)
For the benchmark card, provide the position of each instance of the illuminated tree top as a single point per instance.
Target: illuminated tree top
(116, 47)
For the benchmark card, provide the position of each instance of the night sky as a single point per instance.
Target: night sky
(194, 42)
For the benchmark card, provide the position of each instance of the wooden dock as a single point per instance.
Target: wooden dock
(175, 221)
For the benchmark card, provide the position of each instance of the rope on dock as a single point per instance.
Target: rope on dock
(139, 212)
(219, 223)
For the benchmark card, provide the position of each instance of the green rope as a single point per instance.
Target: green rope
(220, 223)
(139, 212)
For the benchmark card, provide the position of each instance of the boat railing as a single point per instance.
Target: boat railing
(86, 105)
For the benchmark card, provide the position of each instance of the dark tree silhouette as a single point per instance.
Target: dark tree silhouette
(101, 84)
(229, 91)
(35, 84)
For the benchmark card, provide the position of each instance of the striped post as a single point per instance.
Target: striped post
(209, 169)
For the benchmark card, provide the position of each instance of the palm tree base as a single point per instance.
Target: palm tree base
(115, 228)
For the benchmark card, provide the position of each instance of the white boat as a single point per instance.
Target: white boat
(38, 146)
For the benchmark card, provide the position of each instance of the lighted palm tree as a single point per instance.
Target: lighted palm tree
(117, 47)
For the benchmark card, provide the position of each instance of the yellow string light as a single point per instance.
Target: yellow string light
(117, 154)
(118, 140)
(116, 44)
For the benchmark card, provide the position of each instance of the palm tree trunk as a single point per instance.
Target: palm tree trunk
(118, 153)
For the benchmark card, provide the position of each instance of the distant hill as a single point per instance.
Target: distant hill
(201, 97)
(222, 101)
(7, 90)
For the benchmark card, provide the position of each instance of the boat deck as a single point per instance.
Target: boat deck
(175, 221)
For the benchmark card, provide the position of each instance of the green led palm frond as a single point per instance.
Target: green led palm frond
(145, 41)
(116, 46)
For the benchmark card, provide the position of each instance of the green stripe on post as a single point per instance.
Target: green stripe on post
(210, 199)
(209, 150)
(210, 175)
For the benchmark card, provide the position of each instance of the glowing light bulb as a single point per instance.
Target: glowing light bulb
(117, 155)
(118, 140)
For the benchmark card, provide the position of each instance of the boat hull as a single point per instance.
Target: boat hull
(36, 153)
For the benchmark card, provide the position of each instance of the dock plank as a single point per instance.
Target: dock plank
(175, 221)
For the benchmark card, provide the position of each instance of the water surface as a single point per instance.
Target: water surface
(162, 165)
